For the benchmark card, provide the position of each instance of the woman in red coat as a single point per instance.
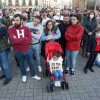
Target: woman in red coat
(73, 37)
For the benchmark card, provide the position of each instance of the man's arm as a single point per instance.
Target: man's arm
(39, 34)
(3, 31)
(14, 39)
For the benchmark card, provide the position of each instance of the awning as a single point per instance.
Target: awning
(24, 8)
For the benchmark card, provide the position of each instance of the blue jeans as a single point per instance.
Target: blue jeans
(4, 63)
(97, 63)
(71, 59)
(21, 56)
(36, 50)
(58, 74)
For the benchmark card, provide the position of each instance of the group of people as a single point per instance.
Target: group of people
(28, 38)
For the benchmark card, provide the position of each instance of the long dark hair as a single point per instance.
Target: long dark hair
(90, 13)
(54, 28)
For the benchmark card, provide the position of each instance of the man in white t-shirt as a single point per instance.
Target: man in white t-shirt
(45, 19)
(58, 17)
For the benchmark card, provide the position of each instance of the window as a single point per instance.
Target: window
(23, 2)
(10, 1)
(36, 2)
(30, 2)
(16, 1)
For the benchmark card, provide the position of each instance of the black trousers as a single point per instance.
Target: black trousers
(91, 60)
(84, 46)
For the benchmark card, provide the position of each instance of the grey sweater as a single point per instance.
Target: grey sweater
(34, 31)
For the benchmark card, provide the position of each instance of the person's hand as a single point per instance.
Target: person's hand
(15, 37)
(38, 33)
(90, 33)
(88, 54)
(47, 39)
(50, 36)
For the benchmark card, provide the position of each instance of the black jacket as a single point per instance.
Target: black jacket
(91, 45)
(89, 26)
(63, 29)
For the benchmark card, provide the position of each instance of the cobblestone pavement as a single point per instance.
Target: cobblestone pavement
(81, 86)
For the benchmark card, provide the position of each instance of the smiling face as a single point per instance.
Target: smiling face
(50, 26)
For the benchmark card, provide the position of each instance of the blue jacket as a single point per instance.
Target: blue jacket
(58, 35)
(91, 45)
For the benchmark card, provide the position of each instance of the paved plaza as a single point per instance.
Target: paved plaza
(81, 86)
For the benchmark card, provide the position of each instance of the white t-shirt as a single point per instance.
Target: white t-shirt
(98, 57)
(56, 65)
(58, 18)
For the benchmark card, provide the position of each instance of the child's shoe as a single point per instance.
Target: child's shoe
(56, 83)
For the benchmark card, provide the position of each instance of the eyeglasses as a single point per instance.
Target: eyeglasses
(49, 25)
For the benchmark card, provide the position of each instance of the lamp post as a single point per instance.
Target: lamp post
(0, 4)
(95, 5)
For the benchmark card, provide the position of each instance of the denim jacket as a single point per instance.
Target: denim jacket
(56, 35)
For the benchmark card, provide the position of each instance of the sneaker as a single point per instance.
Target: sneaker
(72, 72)
(85, 70)
(58, 83)
(66, 72)
(91, 69)
(2, 76)
(39, 68)
(6, 81)
(24, 78)
(37, 77)
(28, 69)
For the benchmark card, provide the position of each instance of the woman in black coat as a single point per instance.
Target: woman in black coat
(89, 24)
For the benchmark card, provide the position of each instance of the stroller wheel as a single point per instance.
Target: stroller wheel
(51, 87)
(48, 89)
(64, 85)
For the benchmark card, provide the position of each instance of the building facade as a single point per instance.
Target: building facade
(26, 4)
(82, 4)
(86, 4)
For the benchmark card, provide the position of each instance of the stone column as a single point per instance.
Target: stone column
(20, 2)
(27, 2)
(13, 2)
(85, 4)
(6, 2)
(33, 2)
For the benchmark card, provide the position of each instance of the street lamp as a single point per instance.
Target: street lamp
(95, 5)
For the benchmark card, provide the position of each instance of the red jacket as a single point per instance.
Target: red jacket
(73, 37)
(23, 38)
(98, 44)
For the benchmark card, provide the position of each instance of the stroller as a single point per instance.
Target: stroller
(50, 48)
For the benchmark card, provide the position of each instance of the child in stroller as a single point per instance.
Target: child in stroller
(56, 67)
(53, 54)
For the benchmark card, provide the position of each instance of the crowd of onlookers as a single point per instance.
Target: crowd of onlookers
(29, 31)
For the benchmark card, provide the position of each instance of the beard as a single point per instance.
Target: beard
(17, 25)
